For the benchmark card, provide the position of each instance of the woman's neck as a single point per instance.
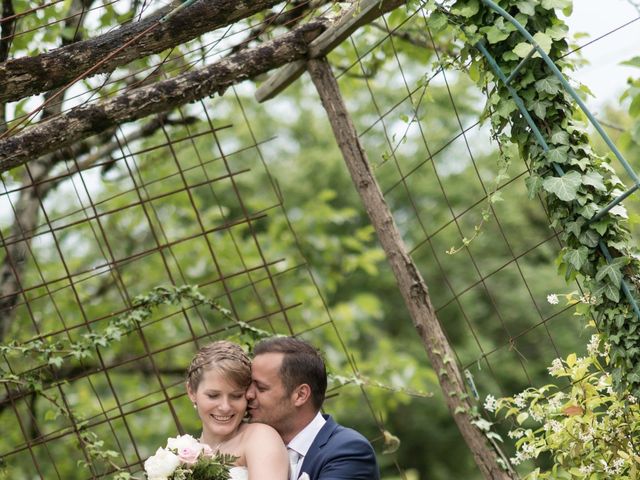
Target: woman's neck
(216, 441)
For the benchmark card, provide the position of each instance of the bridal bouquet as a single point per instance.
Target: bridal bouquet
(184, 458)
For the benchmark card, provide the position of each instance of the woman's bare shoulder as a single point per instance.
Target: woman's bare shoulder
(260, 430)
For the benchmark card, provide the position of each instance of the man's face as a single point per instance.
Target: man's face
(267, 397)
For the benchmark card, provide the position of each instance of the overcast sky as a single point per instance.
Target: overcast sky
(604, 76)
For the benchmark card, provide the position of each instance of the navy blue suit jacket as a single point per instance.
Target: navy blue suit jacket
(339, 453)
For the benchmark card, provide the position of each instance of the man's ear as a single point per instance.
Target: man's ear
(301, 395)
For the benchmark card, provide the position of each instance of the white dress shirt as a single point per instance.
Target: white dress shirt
(303, 440)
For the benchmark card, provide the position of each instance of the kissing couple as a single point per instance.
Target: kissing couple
(283, 389)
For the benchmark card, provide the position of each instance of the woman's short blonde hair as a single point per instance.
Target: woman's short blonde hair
(226, 357)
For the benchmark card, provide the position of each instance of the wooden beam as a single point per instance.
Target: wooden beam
(409, 279)
(362, 13)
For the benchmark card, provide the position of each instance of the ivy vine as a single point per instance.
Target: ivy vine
(50, 355)
(576, 182)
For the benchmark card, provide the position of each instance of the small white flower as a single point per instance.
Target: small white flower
(632, 399)
(556, 367)
(553, 299)
(586, 469)
(535, 415)
(593, 345)
(553, 426)
(515, 434)
(490, 403)
(555, 402)
(618, 465)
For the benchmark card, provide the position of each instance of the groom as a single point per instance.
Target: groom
(287, 391)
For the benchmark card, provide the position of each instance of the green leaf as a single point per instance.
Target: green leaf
(620, 211)
(522, 49)
(558, 155)
(595, 180)
(438, 21)
(496, 34)
(548, 85)
(565, 187)
(557, 31)
(612, 292)
(550, 4)
(560, 137)
(612, 271)
(527, 7)
(544, 41)
(534, 184)
(590, 238)
(576, 257)
(540, 109)
(634, 62)
(469, 10)
(589, 210)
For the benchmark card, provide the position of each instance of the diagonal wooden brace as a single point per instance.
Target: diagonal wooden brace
(362, 13)
(410, 282)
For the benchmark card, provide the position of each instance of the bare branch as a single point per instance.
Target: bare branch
(27, 76)
(86, 120)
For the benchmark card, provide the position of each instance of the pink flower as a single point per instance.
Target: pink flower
(206, 450)
(189, 454)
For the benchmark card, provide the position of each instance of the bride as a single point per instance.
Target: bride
(217, 380)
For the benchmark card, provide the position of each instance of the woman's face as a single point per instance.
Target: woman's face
(221, 406)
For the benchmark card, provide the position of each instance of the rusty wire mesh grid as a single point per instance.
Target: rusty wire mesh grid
(189, 197)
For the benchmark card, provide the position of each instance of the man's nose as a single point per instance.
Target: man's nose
(251, 393)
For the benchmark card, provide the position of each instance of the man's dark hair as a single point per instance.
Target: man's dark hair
(302, 363)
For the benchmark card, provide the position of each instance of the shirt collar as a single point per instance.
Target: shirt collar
(301, 443)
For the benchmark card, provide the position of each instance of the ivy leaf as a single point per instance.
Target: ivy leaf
(590, 238)
(576, 257)
(612, 292)
(560, 137)
(557, 31)
(595, 180)
(550, 4)
(612, 271)
(634, 62)
(495, 34)
(526, 6)
(565, 187)
(582, 163)
(544, 41)
(468, 10)
(522, 49)
(437, 21)
(534, 184)
(505, 108)
(540, 109)
(620, 211)
(548, 85)
(589, 210)
(558, 155)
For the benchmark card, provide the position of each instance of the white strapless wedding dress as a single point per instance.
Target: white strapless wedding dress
(239, 473)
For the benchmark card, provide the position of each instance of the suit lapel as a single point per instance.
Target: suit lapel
(309, 464)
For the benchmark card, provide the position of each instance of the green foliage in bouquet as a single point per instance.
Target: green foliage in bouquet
(207, 468)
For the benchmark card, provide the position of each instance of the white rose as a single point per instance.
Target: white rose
(182, 441)
(161, 465)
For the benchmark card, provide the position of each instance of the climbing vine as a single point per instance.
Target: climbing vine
(575, 181)
(47, 357)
